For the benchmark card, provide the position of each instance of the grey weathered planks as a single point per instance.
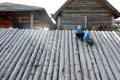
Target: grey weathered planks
(62, 58)
(58, 55)
(72, 67)
(78, 71)
(56, 65)
(43, 50)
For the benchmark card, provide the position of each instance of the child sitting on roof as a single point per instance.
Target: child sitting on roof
(87, 37)
(80, 33)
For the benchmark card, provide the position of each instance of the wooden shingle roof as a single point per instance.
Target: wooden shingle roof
(6, 6)
(29, 54)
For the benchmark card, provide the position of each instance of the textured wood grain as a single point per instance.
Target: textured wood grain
(29, 54)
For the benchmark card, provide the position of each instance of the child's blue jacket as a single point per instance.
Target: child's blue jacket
(79, 31)
(87, 37)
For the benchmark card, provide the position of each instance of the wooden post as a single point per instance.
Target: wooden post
(31, 20)
(59, 22)
(85, 21)
(113, 22)
(21, 19)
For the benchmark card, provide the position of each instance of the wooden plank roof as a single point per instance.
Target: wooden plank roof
(29, 54)
(113, 11)
(7, 6)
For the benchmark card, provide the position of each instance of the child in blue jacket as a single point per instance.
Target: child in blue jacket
(80, 33)
(87, 37)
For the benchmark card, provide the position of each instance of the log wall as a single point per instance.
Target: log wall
(74, 14)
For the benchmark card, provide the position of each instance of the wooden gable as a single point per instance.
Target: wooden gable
(86, 13)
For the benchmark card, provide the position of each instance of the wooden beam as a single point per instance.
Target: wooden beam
(59, 22)
(113, 22)
(31, 20)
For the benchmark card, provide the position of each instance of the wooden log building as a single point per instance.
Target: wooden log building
(87, 13)
(23, 16)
